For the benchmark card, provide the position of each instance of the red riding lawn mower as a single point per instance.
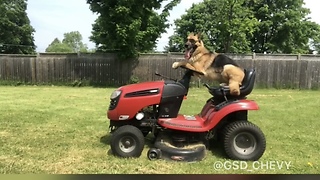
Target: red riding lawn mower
(153, 107)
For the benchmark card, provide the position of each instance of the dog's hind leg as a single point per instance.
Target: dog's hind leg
(235, 76)
(234, 87)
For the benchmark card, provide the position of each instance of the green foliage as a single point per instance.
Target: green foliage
(133, 80)
(317, 46)
(16, 33)
(72, 43)
(240, 26)
(283, 28)
(130, 26)
(226, 26)
(190, 22)
(57, 46)
(74, 40)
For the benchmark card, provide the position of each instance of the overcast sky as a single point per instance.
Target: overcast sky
(52, 18)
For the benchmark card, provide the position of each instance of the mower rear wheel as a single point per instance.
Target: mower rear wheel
(127, 141)
(243, 140)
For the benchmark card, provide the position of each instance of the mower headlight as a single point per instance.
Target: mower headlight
(115, 94)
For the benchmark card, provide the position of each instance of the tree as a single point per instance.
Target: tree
(58, 47)
(315, 45)
(72, 42)
(129, 26)
(226, 26)
(283, 28)
(16, 33)
(240, 26)
(192, 21)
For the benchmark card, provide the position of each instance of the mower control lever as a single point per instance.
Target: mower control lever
(207, 86)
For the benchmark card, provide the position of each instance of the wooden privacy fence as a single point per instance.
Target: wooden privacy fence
(273, 71)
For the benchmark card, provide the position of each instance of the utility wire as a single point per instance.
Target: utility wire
(20, 45)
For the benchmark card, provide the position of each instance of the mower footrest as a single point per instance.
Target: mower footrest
(182, 122)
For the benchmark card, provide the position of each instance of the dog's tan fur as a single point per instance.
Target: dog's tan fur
(201, 61)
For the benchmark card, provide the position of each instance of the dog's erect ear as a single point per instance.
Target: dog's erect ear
(201, 42)
(191, 34)
(199, 35)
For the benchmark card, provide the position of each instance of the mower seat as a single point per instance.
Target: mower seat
(245, 89)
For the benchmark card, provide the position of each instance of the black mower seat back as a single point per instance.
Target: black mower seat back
(245, 89)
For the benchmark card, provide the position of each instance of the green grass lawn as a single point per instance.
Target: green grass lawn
(62, 130)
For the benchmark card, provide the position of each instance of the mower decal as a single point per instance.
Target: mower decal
(177, 158)
(123, 117)
(190, 118)
(147, 92)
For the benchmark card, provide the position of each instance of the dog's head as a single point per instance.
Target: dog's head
(193, 42)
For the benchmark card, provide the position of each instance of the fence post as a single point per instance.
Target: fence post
(253, 56)
(34, 69)
(299, 57)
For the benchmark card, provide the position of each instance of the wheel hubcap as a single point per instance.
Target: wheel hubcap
(244, 143)
(127, 144)
(152, 155)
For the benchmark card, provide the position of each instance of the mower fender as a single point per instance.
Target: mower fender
(241, 105)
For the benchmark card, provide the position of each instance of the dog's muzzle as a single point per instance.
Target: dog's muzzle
(190, 48)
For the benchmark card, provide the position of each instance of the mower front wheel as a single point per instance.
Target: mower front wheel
(127, 141)
(243, 140)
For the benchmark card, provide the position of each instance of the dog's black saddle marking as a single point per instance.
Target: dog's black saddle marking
(221, 60)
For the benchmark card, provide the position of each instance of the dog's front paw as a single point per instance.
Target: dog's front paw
(175, 65)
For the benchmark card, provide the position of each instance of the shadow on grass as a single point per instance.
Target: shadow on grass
(216, 149)
(105, 139)
(149, 141)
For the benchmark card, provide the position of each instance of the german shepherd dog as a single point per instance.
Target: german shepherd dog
(212, 66)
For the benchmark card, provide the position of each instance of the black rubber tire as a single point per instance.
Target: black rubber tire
(249, 131)
(130, 134)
